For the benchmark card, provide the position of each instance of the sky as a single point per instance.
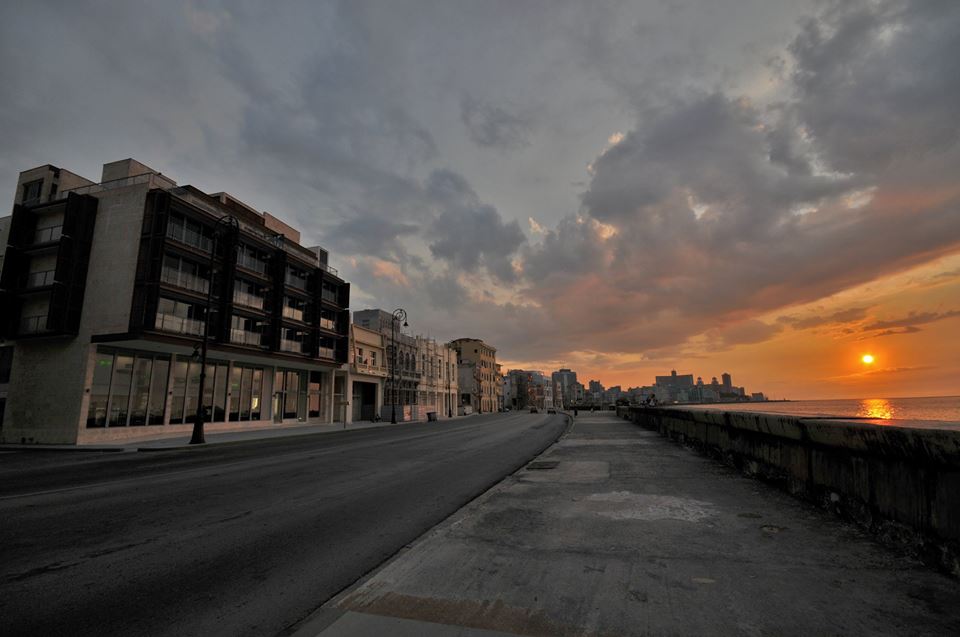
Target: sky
(768, 188)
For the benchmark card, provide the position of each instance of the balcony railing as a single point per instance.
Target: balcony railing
(292, 313)
(328, 324)
(185, 280)
(40, 279)
(373, 370)
(291, 346)
(248, 300)
(295, 281)
(33, 324)
(142, 178)
(247, 262)
(189, 237)
(329, 295)
(47, 235)
(333, 271)
(179, 324)
(327, 352)
(243, 337)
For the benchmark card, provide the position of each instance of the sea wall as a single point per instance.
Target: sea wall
(899, 482)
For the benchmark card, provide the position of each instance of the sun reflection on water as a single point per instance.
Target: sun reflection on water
(876, 408)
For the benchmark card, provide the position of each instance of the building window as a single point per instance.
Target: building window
(249, 294)
(189, 232)
(293, 340)
(179, 317)
(294, 308)
(247, 331)
(297, 278)
(185, 274)
(127, 390)
(31, 192)
(251, 259)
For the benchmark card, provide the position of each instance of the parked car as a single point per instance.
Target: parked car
(551, 410)
(533, 410)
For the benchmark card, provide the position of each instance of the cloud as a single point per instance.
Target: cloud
(841, 316)
(724, 210)
(491, 126)
(469, 233)
(743, 333)
(911, 320)
(892, 332)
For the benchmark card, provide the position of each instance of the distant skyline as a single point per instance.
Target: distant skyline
(764, 187)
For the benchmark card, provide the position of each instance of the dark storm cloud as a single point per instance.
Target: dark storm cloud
(876, 82)
(493, 127)
(468, 233)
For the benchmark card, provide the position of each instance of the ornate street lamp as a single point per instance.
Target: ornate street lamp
(449, 396)
(226, 223)
(399, 315)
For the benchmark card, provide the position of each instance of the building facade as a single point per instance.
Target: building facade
(367, 374)
(481, 387)
(425, 380)
(106, 289)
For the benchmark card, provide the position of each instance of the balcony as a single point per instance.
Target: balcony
(370, 370)
(287, 345)
(295, 281)
(327, 268)
(329, 295)
(243, 337)
(39, 279)
(47, 235)
(33, 324)
(185, 280)
(247, 262)
(328, 324)
(292, 313)
(326, 352)
(179, 324)
(248, 300)
(189, 237)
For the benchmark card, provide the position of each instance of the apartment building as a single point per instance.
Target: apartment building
(105, 291)
(481, 387)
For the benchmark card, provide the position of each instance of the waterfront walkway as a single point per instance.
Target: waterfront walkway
(617, 531)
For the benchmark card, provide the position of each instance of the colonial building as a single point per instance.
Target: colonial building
(425, 379)
(481, 386)
(105, 292)
(368, 373)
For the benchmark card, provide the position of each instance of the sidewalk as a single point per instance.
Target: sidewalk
(214, 437)
(617, 531)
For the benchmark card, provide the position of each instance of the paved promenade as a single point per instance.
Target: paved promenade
(616, 531)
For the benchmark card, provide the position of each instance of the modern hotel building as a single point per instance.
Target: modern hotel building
(104, 296)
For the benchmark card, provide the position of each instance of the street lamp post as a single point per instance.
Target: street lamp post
(399, 315)
(449, 396)
(231, 225)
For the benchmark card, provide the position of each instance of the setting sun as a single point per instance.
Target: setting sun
(867, 359)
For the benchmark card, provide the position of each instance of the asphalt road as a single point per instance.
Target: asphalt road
(239, 539)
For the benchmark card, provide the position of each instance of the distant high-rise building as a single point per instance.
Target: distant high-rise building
(727, 382)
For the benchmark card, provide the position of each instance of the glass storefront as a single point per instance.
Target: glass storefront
(129, 389)
(290, 395)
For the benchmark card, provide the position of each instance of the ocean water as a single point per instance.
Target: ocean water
(945, 409)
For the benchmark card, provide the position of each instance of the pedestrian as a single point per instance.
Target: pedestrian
(574, 412)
